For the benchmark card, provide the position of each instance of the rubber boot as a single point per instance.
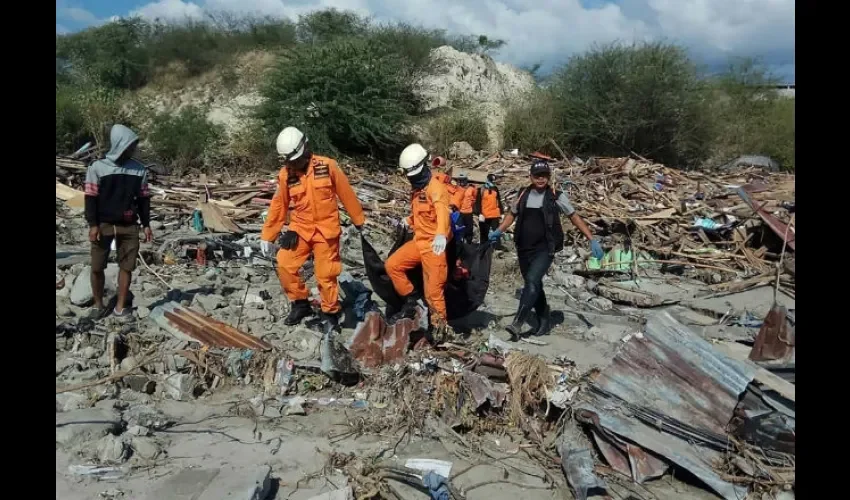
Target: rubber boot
(408, 310)
(330, 323)
(300, 309)
(515, 328)
(543, 322)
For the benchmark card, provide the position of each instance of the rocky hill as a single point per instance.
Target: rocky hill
(461, 81)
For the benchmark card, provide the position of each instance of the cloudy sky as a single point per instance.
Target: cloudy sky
(544, 31)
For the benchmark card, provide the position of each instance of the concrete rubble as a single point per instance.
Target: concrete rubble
(205, 394)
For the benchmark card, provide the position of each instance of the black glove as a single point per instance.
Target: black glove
(288, 240)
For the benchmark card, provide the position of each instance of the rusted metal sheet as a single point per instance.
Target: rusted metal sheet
(676, 372)
(671, 393)
(777, 226)
(767, 420)
(187, 324)
(376, 343)
(628, 459)
(775, 339)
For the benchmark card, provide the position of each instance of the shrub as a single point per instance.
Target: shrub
(415, 43)
(749, 117)
(265, 33)
(198, 45)
(181, 140)
(454, 126)
(644, 98)
(329, 24)
(111, 55)
(250, 148)
(358, 98)
(531, 122)
(70, 127)
(100, 108)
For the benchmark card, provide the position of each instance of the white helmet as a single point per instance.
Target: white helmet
(290, 144)
(413, 159)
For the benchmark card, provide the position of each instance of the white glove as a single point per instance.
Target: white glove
(265, 247)
(439, 245)
(481, 218)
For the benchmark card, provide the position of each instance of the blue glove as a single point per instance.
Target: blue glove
(596, 249)
(494, 235)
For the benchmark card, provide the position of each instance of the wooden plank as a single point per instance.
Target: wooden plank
(649, 220)
(477, 176)
(216, 221)
(65, 192)
(78, 201)
(223, 203)
(741, 353)
(244, 198)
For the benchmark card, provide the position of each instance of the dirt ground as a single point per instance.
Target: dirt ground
(216, 443)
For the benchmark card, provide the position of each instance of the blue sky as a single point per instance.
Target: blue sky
(544, 31)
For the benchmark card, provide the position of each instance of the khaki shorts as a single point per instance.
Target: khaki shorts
(126, 242)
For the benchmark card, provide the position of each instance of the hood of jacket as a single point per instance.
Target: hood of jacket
(120, 138)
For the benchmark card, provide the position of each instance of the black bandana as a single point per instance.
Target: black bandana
(421, 179)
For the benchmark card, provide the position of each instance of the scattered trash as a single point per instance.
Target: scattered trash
(283, 378)
(437, 487)
(100, 472)
(440, 467)
(578, 468)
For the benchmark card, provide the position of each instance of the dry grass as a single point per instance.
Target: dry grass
(529, 376)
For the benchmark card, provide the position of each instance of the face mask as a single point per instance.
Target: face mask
(421, 179)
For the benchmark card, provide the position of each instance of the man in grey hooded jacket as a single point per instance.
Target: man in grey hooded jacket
(117, 200)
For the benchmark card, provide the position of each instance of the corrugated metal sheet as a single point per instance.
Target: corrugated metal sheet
(187, 324)
(667, 391)
(775, 340)
(776, 225)
(376, 343)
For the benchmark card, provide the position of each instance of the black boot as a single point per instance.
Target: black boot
(543, 322)
(408, 310)
(300, 310)
(515, 328)
(330, 323)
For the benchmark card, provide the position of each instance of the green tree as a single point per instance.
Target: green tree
(353, 95)
(71, 130)
(749, 117)
(182, 140)
(111, 55)
(329, 24)
(643, 98)
(485, 44)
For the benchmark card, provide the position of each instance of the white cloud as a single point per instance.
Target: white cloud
(549, 31)
(61, 30)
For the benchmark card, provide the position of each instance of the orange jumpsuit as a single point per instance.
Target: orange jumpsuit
(489, 203)
(453, 190)
(430, 217)
(467, 199)
(310, 198)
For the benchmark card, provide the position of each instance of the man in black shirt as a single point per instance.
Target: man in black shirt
(538, 237)
(117, 200)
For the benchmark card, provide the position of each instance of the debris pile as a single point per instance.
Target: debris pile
(674, 352)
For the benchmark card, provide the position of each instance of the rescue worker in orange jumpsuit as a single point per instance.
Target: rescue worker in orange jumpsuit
(431, 233)
(443, 178)
(464, 200)
(308, 188)
(488, 208)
